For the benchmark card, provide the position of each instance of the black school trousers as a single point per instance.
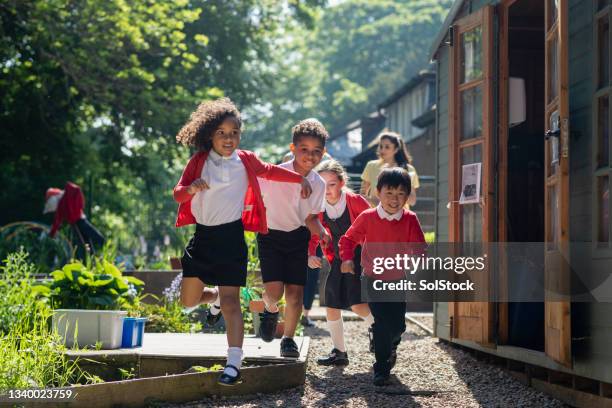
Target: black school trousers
(389, 325)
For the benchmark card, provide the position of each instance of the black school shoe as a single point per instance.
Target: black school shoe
(227, 380)
(289, 348)
(306, 322)
(381, 379)
(267, 326)
(213, 319)
(335, 358)
(392, 359)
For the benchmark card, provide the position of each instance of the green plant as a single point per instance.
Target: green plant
(99, 286)
(251, 240)
(430, 237)
(19, 294)
(200, 369)
(167, 316)
(45, 252)
(32, 356)
(127, 374)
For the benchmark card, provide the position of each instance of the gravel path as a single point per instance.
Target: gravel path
(427, 374)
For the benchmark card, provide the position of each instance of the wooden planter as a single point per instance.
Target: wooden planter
(175, 263)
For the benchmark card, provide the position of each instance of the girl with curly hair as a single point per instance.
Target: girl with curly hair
(220, 193)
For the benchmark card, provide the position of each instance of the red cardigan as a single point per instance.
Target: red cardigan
(356, 205)
(254, 213)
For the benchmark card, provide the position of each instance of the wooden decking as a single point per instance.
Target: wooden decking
(197, 345)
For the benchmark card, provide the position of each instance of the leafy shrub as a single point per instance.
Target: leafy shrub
(98, 287)
(45, 252)
(18, 292)
(30, 354)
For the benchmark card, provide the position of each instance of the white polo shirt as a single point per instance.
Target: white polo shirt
(286, 210)
(223, 202)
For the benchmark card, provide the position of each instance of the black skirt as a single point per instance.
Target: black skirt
(217, 255)
(342, 290)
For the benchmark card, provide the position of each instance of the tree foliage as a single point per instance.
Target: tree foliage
(358, 53)
(94, 92)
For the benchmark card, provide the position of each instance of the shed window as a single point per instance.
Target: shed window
(602, 149)
(471, 113)
(471, 55)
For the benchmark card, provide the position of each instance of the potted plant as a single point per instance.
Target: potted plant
(88, 303)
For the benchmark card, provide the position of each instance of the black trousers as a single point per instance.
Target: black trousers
(388, 327)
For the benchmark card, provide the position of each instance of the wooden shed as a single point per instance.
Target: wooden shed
(524, 88)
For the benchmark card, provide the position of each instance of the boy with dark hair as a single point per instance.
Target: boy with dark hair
(283, 252)
(389, 222)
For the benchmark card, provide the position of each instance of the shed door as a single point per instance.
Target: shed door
(471, 132)
(557, 309)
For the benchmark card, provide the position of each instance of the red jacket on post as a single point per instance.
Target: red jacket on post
(356, 204)
(254, 213)
(69, 208)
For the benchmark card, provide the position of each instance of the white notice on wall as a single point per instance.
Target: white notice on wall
(470, 183)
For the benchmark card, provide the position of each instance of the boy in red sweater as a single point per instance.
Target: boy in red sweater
(390, 223)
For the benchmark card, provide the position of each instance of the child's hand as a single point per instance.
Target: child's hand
(197, 186)
(306, 188)
(314, 262)
(347, 267)
(325, 238)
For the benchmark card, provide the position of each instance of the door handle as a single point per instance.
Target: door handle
(552, 133)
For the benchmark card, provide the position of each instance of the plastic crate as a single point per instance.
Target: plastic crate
(90, 327)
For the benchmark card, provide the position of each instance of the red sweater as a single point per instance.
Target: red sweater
(356, 204)
(254, 213)
(385, 238)
(69, 208)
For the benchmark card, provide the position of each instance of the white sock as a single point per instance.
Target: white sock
(336, 331)
(369, 319)
(234, 357)
(215, 307)
(271, 308)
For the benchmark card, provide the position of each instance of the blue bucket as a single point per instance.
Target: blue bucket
(133, 331)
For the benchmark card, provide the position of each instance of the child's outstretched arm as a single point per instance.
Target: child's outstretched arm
(353, 237)
(313, 223)
(278, 173)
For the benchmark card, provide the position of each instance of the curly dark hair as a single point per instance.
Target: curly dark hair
(209, 115)
(309, 127)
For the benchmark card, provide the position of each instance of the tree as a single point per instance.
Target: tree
(94, 92)
(358, 53)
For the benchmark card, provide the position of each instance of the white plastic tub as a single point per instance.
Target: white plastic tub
(91, 326)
